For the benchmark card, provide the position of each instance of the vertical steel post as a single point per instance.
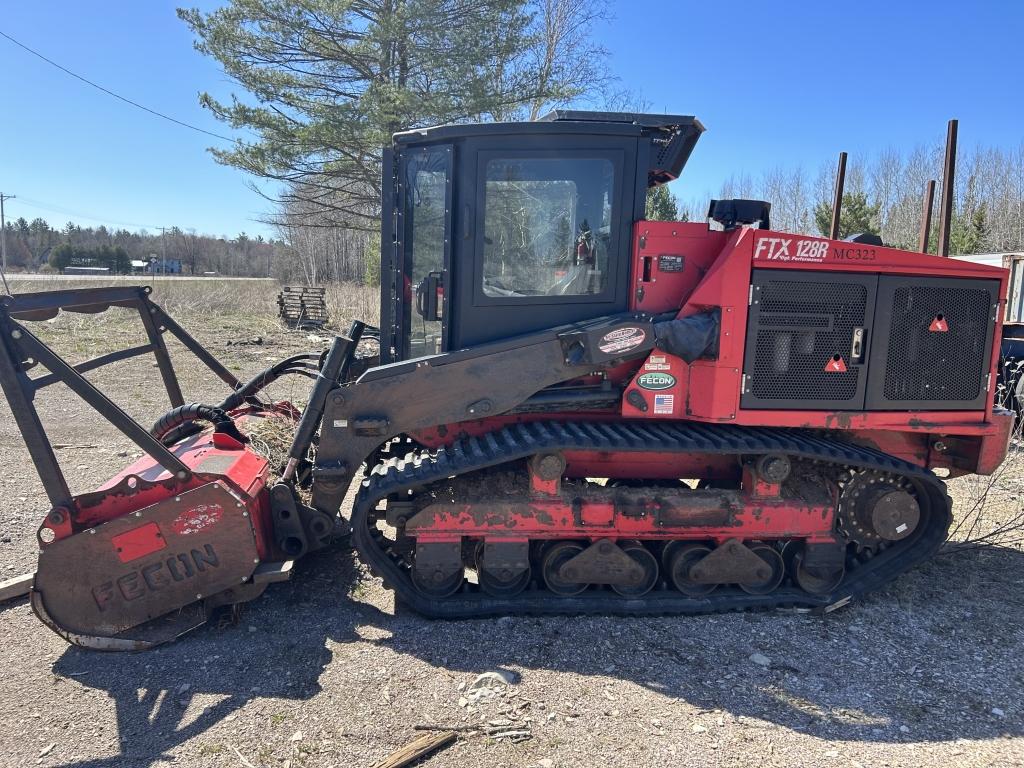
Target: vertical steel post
(926, 216)
(837, 198)
(948, 173)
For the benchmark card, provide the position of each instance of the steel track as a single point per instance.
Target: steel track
(417, 469)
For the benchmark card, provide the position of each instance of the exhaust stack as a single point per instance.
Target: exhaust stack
(948, 172)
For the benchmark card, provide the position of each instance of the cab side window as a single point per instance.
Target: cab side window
(547, 226)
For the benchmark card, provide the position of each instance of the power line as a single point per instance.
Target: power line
(79, 215)
(111, 93)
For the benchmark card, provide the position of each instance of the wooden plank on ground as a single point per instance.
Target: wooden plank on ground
(16, 587)
(414, 750)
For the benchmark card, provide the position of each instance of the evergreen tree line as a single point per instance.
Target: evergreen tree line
(37, 246)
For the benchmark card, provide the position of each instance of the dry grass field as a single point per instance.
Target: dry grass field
(325, 671)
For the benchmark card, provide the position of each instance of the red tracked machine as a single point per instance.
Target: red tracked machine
(574, 410)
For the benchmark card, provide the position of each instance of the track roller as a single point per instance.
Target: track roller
(816, 580)
(681, 558)
(554, 558)
(648, 562)
(437, 589)
(778, 570)
(503, 582)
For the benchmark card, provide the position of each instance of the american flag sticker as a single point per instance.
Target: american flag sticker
(664, 403)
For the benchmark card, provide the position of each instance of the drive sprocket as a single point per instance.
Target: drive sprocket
(876, 508)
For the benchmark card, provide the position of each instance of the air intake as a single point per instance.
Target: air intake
(800, 335)
(933, 343)
(855, 342)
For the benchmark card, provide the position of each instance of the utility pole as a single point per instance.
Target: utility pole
(3, 228)
(163, 251)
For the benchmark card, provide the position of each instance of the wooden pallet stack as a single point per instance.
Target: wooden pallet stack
(302, 306)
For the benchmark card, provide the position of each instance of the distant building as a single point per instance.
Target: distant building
(1013, 262)
(156, 266)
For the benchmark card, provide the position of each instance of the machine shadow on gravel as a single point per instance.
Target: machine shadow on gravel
(277, 650)
(929, 655)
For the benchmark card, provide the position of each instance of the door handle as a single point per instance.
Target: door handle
(857, 345)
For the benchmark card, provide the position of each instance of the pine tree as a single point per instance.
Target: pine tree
(969, 231)
(331, 80)
(661, 204)
(858, 216)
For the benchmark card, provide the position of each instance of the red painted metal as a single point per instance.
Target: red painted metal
(708, 269)
(548, 519)
(650, 465)
(138, 542)
(759, 488)
(210, 456)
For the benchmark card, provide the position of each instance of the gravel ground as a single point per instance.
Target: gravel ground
(325, 671)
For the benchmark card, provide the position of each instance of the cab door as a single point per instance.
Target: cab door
(542, 234)
(422, 248)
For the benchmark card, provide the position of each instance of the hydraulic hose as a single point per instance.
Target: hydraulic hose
(169, 428)
(295, 364)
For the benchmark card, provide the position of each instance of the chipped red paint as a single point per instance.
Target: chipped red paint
(713, 516)
(198, 519)
(145, 483)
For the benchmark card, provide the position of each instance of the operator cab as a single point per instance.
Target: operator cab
(494, 230)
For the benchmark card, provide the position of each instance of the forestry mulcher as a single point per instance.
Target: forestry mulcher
(574, 410)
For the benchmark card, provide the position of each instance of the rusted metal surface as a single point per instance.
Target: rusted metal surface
(730, 563)
(837, 197)
(948, 177)
(141, 566)
(603, 562)
(588, 510)
(926, 216)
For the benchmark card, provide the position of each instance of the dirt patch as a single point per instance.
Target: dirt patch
(324, 671)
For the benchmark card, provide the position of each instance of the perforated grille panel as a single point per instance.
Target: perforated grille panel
(933, 343)
(800, 337)
(925, 343)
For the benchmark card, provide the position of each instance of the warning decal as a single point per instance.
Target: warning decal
(939, 325)
(835, 365)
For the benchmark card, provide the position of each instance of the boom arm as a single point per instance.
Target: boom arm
(483, 381)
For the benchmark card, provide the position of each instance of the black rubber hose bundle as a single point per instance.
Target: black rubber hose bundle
(176, 423)
(297, 364)
(179, 422)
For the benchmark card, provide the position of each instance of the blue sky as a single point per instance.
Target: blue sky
(777, 84)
